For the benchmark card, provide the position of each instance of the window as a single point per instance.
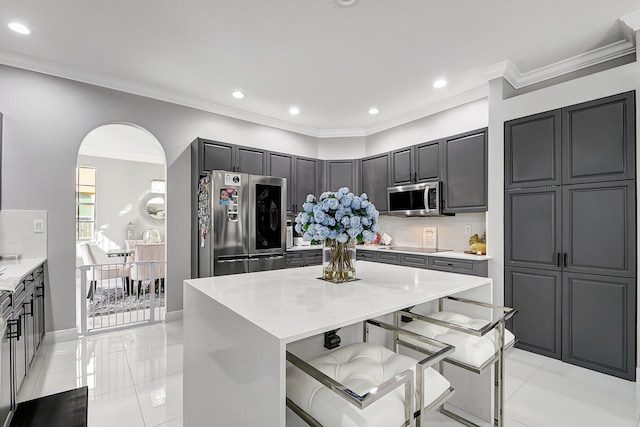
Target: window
(85, 202)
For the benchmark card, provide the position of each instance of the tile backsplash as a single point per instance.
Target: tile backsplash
(451, 229)
(18, 235)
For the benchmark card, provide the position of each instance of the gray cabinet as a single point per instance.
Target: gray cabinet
(216, 156)
(374, 179)
(427, 161)
(533, 151)
(229, 157)
(599, 140)
(341, 173)
(589, 142)
(402, 166)
(281, 166)
(599, 228)
(6, 362)
(533, 228)
(411, 260)
(537, 294)
(462, 266)
(365, 255)
(304, 258)
(576, 228)
(464, 172)
(598, 323)
(306, 179)
(250, 160)
(389, 257)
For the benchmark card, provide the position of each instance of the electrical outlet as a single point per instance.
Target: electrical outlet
(38, 225)
(467, 229)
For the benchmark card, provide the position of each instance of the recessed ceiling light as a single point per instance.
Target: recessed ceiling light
(439, 83)
(238, 94)
(20, 28)
(373, 111)
(294, 110)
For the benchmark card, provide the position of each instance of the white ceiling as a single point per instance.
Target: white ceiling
(332, 62)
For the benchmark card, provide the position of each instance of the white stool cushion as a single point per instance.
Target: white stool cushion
(360, 367)
(472, 350)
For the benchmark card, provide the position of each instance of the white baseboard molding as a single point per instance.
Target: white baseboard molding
(61, 336)
(173, 316)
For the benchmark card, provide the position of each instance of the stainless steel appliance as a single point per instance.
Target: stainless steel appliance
(247, 230)
(423, 199)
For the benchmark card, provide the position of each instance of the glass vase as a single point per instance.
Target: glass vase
(339, 261)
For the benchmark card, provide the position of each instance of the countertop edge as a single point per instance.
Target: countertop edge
(447, 254)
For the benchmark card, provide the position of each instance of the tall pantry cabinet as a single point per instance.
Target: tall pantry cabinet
(570, 233)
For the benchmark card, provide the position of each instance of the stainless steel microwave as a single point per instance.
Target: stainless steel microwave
(423, 199)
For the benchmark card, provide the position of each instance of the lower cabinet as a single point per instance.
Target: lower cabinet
(6, 365)
(304, 258)
(462, 266)
(598, 323)
(584, 319)
(537, 294)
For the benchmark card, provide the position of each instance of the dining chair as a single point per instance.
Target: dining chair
(149, 265)
(102, 275)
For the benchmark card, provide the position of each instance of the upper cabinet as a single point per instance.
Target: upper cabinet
(464, 172)
(598, 140)
(306, 178)
(374, 179)
(418, 163)
(230, 157)
(402, 166)
(281, 165)
(341, 173)
(533, 151)
(588, 142)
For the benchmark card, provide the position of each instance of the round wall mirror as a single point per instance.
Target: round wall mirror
(153, 207)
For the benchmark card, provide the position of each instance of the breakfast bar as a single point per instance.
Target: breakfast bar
(238, 328)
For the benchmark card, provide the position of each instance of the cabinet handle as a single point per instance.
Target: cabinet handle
(565, 260)
(558, 262)
(415, 177)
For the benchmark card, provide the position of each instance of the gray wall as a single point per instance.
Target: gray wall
(121, 186)
(45, 120)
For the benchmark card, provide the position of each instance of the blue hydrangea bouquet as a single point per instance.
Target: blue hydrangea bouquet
(338, 220)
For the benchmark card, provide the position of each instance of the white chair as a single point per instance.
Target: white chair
(479, 344)
(149, 264)
(131, 246)
(101, 275)
(366, 385)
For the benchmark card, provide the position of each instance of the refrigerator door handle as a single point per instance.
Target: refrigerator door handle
(221, 260)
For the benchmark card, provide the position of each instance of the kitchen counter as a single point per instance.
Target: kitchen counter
(236, 329)
(16, 270)
(406, 250)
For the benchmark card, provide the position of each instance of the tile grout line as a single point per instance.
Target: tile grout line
(133, 383)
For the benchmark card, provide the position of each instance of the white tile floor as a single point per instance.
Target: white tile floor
(135, 379)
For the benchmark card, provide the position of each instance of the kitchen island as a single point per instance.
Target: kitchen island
(237, 328)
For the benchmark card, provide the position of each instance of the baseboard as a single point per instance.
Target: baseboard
(173, 316)
(61, 336)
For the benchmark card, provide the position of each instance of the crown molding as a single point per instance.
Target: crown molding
(340, 133)
(518, 80)
(632, 20)
(436, 107)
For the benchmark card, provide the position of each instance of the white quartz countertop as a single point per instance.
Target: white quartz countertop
(417, 251)
(293, 304)
(13, 271)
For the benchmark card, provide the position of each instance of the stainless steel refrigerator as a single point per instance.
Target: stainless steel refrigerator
(244, 226)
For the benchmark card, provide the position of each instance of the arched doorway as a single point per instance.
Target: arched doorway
(120, 202)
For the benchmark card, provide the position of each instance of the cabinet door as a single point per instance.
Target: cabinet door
(427, 161)
(375, 180)
(6, 373)
(340, 173)
(465, 173)
(532, 151)
(411, 260)
(537, 296)
(281, 166)
(599, 228)
(599, 140)
(533, 228)
(216, 156)
(29, 329)
(402, 166)
(251, 161)
(306, 180)
(599, 323)
(20, 352)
